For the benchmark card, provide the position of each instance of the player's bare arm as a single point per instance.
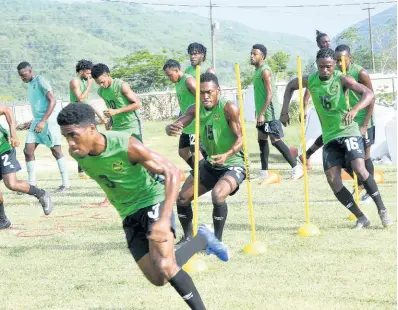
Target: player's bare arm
(267, 81)
(50, 108)
(157, 164)
(134, 102)
(175, 129)
(75, 89)
(291, 87)
(211, 70)
(232, 115)
(366, 99)
(11, 123)
(191, 85)
(364, 79)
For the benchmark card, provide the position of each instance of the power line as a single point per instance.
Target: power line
(249, 6)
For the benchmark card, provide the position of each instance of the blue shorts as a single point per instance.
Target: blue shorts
(50, 136)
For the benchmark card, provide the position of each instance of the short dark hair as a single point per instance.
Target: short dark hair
(23, 65)
(76, 114)
(262, 48)
(99, 69)
(83, 64)
(320, 35)
(325, 53)
(342, 48)
(171, 63)
(209, 77)
(197, 47)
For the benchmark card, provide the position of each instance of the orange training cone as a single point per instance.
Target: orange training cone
(345, 176)
(379, 177)
(273, 177)
(183, 177)
(294, 151)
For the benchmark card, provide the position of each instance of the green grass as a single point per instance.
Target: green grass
(88, 266)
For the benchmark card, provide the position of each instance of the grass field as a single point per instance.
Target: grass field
(85, 263)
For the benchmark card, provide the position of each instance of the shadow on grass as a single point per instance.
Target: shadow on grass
(259, 227)
(97, 247)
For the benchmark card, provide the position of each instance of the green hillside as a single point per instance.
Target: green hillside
(54, 35)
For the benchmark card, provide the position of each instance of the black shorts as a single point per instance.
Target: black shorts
(138, 226)
(186, 140)
(370, 140)
(342, 151)
(9, 163)
(273, 128)
(210, 175)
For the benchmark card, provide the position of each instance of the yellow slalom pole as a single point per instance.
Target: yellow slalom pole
(307, 229)
(196, 156)
(254, 247)
(195, 264)
(352, 216)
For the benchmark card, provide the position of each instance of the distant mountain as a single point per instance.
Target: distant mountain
(54, 35)
(378, 20)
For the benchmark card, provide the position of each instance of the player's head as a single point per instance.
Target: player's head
(258, 54)
(83, 68)
(172, 69)
(326, 63)
(343, 50)
(197, 53)
(25, 71)
(322, 39)
(209, 90)
(100, 73)
(77, 121)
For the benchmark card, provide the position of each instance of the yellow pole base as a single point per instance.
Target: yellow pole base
(195, 264)
(352, 217)
(254, 248)
(308, 230)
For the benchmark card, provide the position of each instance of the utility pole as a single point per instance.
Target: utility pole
(370, 38)
(213, 37)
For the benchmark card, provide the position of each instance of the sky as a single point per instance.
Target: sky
(297, 21)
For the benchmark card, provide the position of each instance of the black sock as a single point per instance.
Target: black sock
(220, 212)
(2, 213)
(185, 216)
(284, 150)
(315, 147)
(34, 191)
(79, 169)
(184, 286)
(373, 191)
(190, 162)
(188, 249)
(264, 153)
(345, 197)
(369, 166)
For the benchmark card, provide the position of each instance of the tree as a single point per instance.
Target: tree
(385, 42)
(144, 70)
(278, 61)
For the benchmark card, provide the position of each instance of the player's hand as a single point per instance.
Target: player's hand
(349, 117)
(285, 119)
(160, 230)
(260, 120)
(110, 112)
(90, 81)
(40, 126)
(14, 142)
(174, 129)
(363, 130)
(218, 160)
